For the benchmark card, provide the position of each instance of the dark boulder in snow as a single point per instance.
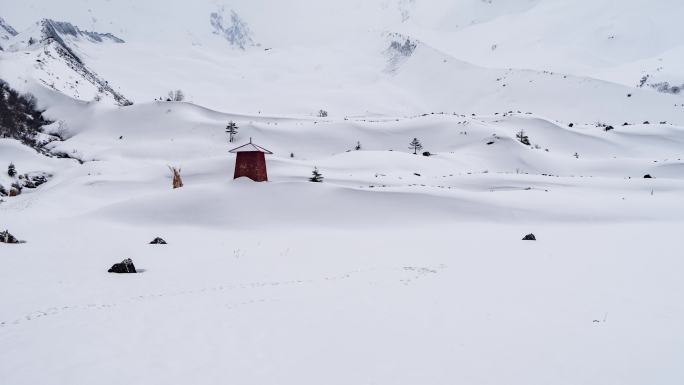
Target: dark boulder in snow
(6, 237)
(529, 237)
(126, 266)
(427, 153)
(158, 241)
(647, 176)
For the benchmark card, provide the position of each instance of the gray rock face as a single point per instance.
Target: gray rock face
(235, 30)
(6, 30)
(59, 29)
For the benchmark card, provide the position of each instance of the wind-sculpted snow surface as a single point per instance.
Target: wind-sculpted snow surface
(416, 259)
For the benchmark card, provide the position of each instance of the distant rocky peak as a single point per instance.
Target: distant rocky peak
(232, 28)
(6, 32)
(6, 29)
(59, 29)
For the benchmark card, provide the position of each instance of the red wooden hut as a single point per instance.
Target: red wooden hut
(251, 162)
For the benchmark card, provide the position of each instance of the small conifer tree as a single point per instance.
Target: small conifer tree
(522, 138)
(316, 176)
(415, 146)
(358, 146)
(231, 130)
(11, 170)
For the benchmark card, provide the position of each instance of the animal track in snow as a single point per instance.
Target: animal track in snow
(416, 272)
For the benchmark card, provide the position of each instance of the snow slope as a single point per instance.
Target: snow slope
(376, 275)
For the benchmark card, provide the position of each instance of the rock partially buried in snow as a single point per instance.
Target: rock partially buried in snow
(529, 237)
(126, 266)
(6, 237)
(648, 176)
(158, 241)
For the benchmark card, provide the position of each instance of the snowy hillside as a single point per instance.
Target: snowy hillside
(442, 133)
(240, 58)
(50, 54)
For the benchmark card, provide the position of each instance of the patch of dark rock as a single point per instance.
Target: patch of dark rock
(529, 237)
(126, 266)
(6, 237)
(63, 155)
(158, 241)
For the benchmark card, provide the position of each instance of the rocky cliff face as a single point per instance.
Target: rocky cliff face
(232, 28)
(6, 32)
(59, 30)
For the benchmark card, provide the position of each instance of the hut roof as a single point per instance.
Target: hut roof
(250, 147)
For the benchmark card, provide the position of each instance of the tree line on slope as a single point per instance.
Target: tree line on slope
(20, 117)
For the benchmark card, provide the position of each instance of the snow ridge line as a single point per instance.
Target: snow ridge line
(51, 35)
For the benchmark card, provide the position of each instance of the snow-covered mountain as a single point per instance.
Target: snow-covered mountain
(52, 54)
(65, 34)
(295, 57)
(444, 131)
